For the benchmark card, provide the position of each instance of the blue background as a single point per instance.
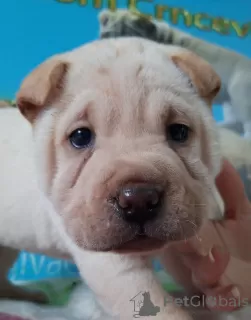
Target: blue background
(32, 30)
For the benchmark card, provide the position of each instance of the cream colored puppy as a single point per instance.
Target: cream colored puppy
(119, 161)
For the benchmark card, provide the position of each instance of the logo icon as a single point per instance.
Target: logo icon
(143, 306)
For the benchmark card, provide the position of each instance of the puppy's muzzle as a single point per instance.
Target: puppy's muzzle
(138, 203)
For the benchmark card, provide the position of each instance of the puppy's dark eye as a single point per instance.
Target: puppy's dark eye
(81, 138)
(178, 132)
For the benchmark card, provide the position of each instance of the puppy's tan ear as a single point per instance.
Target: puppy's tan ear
(203, 77)
(41, 87)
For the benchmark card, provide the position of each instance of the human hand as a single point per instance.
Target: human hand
(224, 272)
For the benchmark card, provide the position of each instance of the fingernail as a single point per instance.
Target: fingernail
(235, 292)
(203, 252)
(211, 257)
(199, 247)
(199, 238)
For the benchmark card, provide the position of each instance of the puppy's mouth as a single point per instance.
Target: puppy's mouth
(140, 243)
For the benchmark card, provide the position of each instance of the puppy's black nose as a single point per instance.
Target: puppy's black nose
(139, 203)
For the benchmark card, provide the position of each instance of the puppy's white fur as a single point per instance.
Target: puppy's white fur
(32, 193)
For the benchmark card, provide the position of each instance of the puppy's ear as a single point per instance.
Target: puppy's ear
(41, 87)
(202, 75)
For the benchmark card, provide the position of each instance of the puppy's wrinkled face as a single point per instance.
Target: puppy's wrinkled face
(128, 153)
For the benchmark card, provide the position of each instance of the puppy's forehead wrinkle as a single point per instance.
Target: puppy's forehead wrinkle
(109, 52)
(125, 109)
(124, 72)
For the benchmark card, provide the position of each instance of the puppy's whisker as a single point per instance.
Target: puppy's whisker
(192, 223)
(194, 228)
(215, 201)
(197, 205)
(182, 232)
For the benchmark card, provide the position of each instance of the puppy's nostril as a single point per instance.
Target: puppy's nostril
(139, 203)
